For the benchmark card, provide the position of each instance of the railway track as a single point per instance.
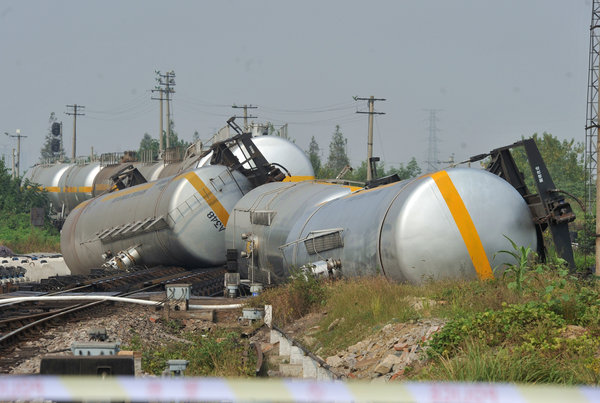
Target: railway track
(23, 322)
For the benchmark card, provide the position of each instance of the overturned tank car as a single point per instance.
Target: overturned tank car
(449, 224)
(178, 220)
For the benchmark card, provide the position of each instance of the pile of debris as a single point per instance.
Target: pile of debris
(386, 354)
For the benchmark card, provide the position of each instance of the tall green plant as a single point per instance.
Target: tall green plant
(517, 271)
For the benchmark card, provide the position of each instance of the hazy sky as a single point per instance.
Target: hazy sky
(497, 70)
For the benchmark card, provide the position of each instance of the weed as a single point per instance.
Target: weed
(214, 354)
(476, 362)
(513, 324)
(365, 304)
(299, 296)
(518, 270)
(174, 325)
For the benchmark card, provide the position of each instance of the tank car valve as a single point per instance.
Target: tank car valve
(123, 260)
(330, 268)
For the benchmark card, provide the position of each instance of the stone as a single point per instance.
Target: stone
(333, 324)
(397, 375)
(334, 361)
(400, 346)
(356, 348)
(350, 361)
(365, 363)
(266, 347)
(387, 363)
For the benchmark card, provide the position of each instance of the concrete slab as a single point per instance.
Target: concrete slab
(291, 370)
(309, 368)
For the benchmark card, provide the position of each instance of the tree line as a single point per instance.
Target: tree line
(338, 159)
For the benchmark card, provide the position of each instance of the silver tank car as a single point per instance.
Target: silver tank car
(175, 221)
(48, 177)
(449, 224)
(70, 184)
(77, 183)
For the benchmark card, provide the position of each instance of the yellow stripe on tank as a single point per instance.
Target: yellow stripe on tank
(208, 196)
(298, 178)
(465, 224)
(124, 192)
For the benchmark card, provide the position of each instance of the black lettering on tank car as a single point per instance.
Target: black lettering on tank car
(215, 220)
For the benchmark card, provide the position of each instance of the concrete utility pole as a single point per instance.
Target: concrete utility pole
(246, 117)
(168, 139)
(73, 112)
(18, 163)
(166, 82)
(160, 129)
(371, 102)
(433, 157)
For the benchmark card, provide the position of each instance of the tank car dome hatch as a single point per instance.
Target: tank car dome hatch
(449, 224)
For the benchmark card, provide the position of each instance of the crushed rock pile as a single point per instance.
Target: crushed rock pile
(386, 354)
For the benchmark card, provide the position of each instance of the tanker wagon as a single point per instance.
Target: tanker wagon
(449, 224)
(178, 220)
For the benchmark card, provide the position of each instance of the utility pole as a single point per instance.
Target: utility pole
(371, 102)
(246, 117)
(73, 112)
(169, 82)
(433, 158)
(18, 163)
(160, 129)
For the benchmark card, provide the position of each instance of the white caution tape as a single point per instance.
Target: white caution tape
(281, 390)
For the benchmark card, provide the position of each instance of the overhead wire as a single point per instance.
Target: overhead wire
(131, 104)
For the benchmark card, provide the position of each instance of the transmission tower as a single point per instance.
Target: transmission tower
(591, 129)
(433, 159)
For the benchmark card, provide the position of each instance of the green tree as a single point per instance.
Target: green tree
(412, 170)
(564, 159)
(338, 158)
(46, 153)
(148, 145)
(174, 141)
(314, 154)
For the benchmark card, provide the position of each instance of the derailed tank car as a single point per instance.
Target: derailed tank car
(179, 220)
(449, 224)
(175, 220)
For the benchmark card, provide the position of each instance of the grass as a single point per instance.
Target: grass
(219, 353)
(17, 233)
(496, 331)
(476, 362)
(360, 307)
